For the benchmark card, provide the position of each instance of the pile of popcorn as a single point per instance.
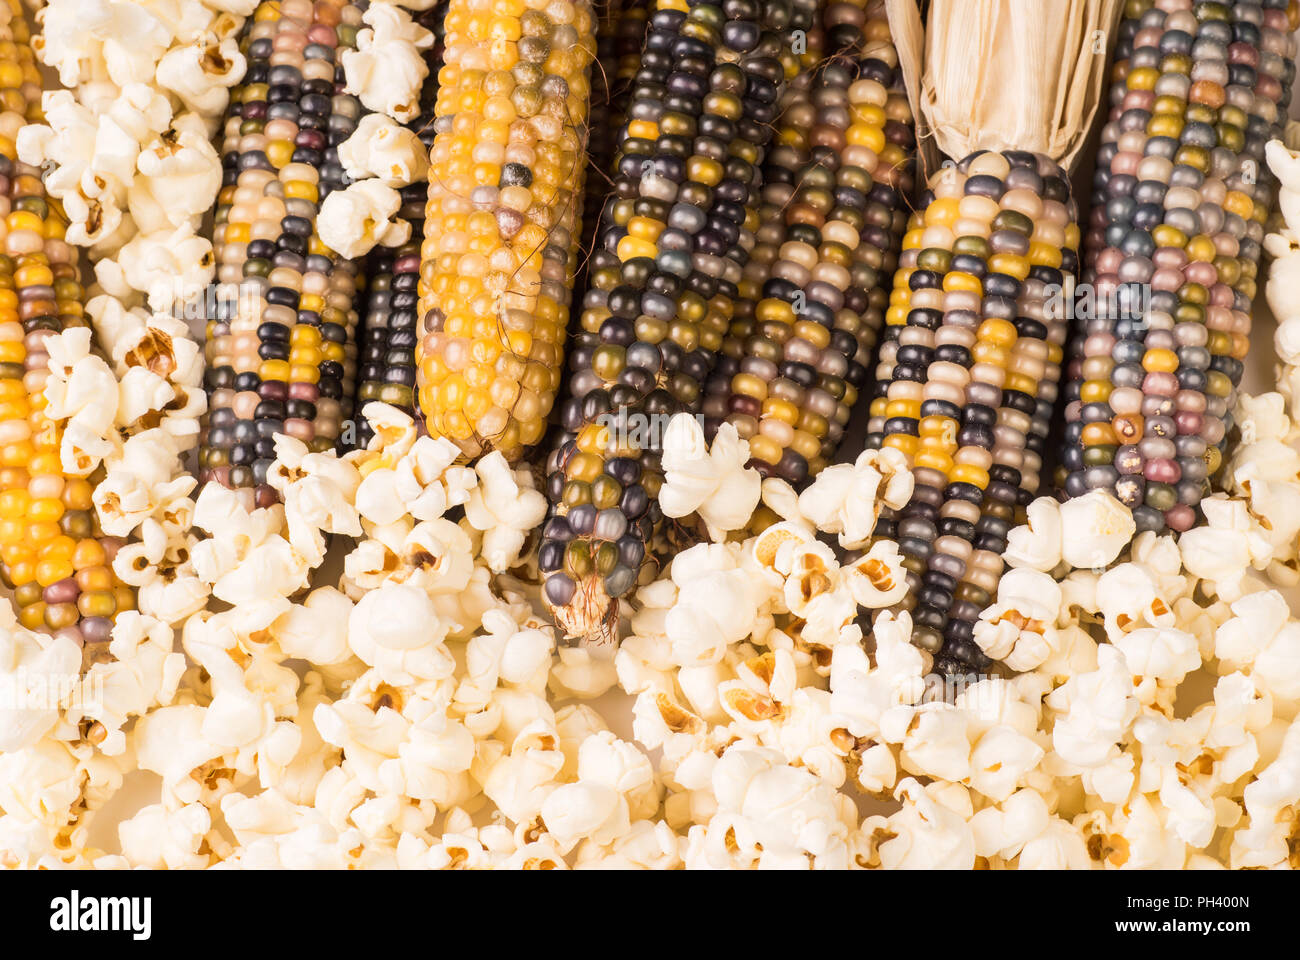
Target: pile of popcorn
(362, 675)
(360, 678)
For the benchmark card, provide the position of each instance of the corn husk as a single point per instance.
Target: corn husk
(1003, 74)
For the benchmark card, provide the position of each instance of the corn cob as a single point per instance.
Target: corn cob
(502, 223)
(663, 279)
(282, 360)
(51, 554)
(390, 328)
(996, 236)
(795, 360)
(1181, 196)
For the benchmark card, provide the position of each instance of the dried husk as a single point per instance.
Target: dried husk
(1003, 74)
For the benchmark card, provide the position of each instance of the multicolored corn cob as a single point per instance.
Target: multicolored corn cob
(1181, 195)
(52, 556)
(812, 302)
(664, 276)
(502, 224)
(996, 238)
(283, 359)
(386, 369)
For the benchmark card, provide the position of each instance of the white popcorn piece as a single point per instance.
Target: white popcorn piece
(395, 629)
(506, 507)
(1222, 550)
(1161, 653)
(200, 73)
(382, 148)
(316, 629)
(1257, 619)
(387, 70)
(269, 570)
(716, 605)
(1058, 847)
(38, 674)
(1094, 711)
(1019, 628)
(127, 38)
(935, 743)
(169, 742)
(354, 220)
(1269, 800)
(519, 783)
(145, 673)
(165, 264)
(926, 834)
(1037, 543)
(1094, 529)
(772, 549)
(646, 845)
(1128, 596)
(876, 579)
(711, 480)
(846, 499)
(579, 672)
(1001, 760)
(576, 811)
(159, 839)
(1003, 831)
(181, 169)
(864, 696)
(1282, 161)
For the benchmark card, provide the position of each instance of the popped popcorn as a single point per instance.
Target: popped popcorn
(711, 480)
(358, 677)
(354, 220)
(382, 148)
(386, 69)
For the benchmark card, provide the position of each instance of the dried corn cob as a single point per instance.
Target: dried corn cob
(795, 361)
(996, 237)
(664, 276)
(1181, 196)
(283, 359)
(502, 228)
(390, 328)
(51, 556)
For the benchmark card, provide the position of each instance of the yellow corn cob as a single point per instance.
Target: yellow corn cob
(502, 227)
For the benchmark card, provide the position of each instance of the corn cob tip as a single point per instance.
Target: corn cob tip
(591, 616)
